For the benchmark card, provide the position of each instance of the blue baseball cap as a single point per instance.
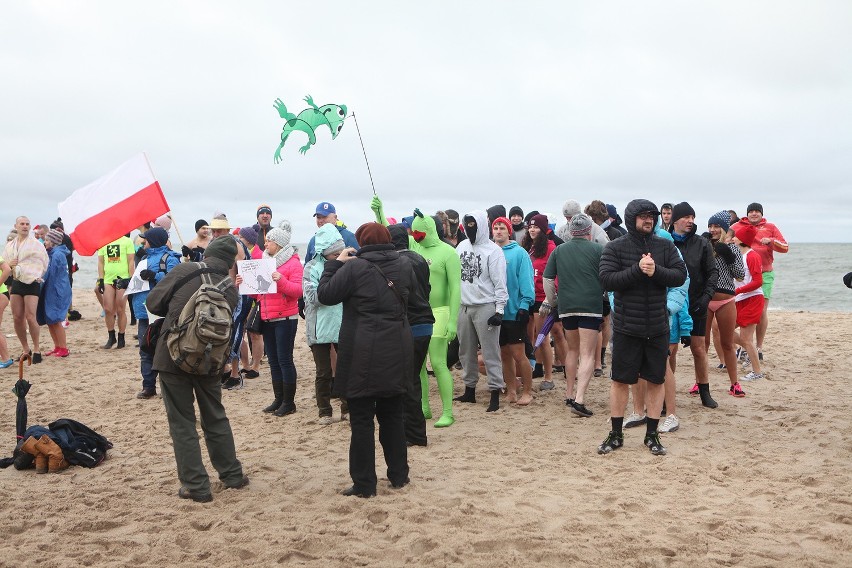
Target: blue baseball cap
(324, 209)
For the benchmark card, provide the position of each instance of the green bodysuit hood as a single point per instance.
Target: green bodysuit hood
(426, 225)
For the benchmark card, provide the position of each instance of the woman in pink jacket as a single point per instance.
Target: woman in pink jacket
(280, 314)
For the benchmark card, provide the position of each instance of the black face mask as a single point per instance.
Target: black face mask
(470, 231)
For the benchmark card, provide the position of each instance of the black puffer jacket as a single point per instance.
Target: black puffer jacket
(375, 349)
(419, 310)
(640, 301)
(703, 275)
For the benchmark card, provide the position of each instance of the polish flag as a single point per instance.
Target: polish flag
(112, 206)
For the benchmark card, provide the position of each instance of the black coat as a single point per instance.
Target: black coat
(374, 347)
(640, 301)
(419, 310)
(703, 274)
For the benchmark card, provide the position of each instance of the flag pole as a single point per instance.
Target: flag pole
(175, 225)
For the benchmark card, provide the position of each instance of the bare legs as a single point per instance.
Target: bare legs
(24, 315)
(513, 356)
(115, 304)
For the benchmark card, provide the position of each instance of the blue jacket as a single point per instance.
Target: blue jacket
(677, 300)
(55, 298)
(519, 280)
(154, 256)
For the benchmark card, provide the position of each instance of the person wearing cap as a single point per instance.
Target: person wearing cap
(698, 255)
(578, 302)
(375, 357)
(159, 261)
(639, 269)
(264, 224)
(722, 311)
(483, 302)
(540, 242)
(615, 219)
(767, 242)
(182, 390)
(55, 297)
(194, 249)
(666, 216)
(27, 258)
(749, 296)
(116, 263)
(322, 323)
(519, 227)
(571, 208)
(326, 213)
(513, 328)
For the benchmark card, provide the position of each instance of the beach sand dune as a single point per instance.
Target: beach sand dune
(760, 481)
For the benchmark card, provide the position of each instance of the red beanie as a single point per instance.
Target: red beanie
(503, 220)
(372, 234)
(745, 232)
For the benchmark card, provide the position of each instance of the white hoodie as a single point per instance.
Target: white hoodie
(483, 266)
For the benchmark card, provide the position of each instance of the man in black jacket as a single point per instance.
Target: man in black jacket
(180, 388)
(697, 253)
(420, 319)
(639, 268)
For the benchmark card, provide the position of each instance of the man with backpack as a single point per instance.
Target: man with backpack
(189, 356)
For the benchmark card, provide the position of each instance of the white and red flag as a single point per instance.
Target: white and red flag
(113, 205)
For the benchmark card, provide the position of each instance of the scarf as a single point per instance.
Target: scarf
(281, 256)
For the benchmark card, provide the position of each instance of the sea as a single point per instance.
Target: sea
(808, 278)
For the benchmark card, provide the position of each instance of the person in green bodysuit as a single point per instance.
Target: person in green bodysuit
(445, 299)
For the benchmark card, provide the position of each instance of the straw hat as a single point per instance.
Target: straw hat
(219, 224)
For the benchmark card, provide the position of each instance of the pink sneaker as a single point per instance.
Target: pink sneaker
(694, 390)
(60, 352)
(736, 390)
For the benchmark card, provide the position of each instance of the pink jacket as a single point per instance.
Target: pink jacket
(285, 302)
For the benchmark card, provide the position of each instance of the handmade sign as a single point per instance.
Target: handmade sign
(257, 276)
(137, 283)
(308, 120)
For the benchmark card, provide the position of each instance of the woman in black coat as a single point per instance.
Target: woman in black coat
(374, 352)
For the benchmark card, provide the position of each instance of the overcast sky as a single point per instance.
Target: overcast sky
(461, 105)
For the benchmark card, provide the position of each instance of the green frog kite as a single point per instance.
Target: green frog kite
(308, 120)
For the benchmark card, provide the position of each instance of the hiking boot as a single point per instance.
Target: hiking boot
(55, 459)
(355, 492)
(185, 493)
(31, 447)
(145, 394)
(635, 420)
(468, 396)
(613, 442)
(244, 480)
(546, 386)
(736, 390)
(670, 424)
(694, 390)
(654, 444)
(393, 485)
(752, 376)
(580, 409)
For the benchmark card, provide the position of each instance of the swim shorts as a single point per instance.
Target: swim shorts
(750, 310)
(512, 332)
(768, 283)
(634, 357)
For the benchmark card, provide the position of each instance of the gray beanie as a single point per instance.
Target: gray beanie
(581, 225)
(571, 208)
(335, 247)
(280, 235)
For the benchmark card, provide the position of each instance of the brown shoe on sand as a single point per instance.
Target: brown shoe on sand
(55, 459)
(31, 447)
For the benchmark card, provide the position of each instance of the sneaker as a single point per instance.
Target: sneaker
(59, 352)
(232, 383)
(580, 409)
(599, 372)
(185, 493)
(325, 420)
(250, 373)
(652, 441)
(613, 442)
(744, 360)
(670, 424)
(6, 364)
(721, 367)
(559, 368)
(736, 390)
(752, 376)
(569, 402)
(546, 386)
(634, 420)
(694, 390)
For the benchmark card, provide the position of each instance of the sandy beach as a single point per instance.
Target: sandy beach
(761, 481)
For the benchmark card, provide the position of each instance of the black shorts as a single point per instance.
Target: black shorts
(570, 323)
(20, 289)
(512, 332)
(534, 308)
(634, 357)
(699, 325)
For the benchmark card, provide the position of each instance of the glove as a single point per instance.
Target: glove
(148, 275)
(725, 252)
(451, 333)
(122, 283)
(544, 310)
(495, 320)
(186, 251)
(378, 209)
(523, 317)
(699, 307)
(101, 285)
(685, 340)
(301, 303)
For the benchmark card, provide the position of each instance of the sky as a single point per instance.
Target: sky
(461, 105)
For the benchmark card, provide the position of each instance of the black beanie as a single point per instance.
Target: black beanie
(515, 210)
(224, 248)
(681, 210)
(754, 207)
(848, 280)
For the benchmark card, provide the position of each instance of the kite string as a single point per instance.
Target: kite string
(365, 153)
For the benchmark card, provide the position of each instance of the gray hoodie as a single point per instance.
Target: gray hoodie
(483, 266)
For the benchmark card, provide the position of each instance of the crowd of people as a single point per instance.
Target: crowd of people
(505, 295)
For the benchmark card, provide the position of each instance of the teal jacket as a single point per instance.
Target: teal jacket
(322, 323)
(519, 280)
